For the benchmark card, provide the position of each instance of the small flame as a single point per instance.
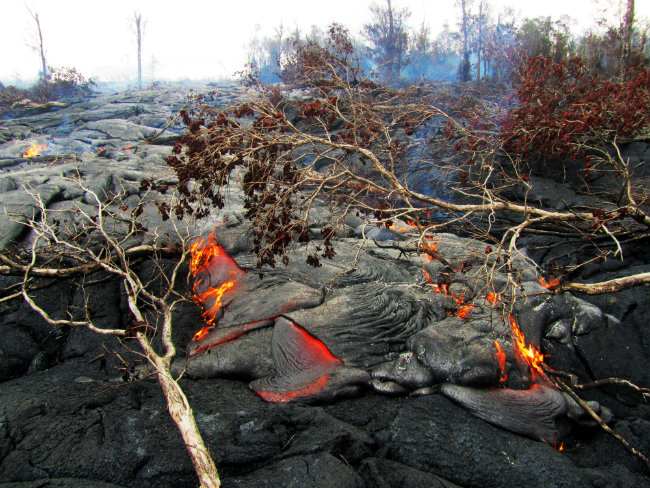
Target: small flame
(501, 359)
(34, 150)
(410, 223)
(99, 151)
(528, 353)
(432, 247)
(492, 297)
(127, 147)
(559, 447)
(550, 284)
(201, 334)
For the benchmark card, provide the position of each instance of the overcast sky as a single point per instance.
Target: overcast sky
(204, 38)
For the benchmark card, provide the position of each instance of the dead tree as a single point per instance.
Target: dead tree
(359, 133)
(45, 76)
(139, 32)
(104, 241)
(628, 27)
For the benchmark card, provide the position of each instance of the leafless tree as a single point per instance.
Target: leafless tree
(139, 33)
(39, 48)
(106, 240)
(627, 28)
(360, 133)
(465, 5)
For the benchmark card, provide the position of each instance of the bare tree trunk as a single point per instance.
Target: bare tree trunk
(479, 46)
(44, 74)
(465, 65)
(628, 25)
(182, 414)
(137, 17)
(390, 45)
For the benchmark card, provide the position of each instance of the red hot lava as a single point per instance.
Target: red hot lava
(209, 263)
(527, 353)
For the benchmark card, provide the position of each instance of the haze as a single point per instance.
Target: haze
(200, 39)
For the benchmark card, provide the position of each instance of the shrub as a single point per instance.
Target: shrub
(564, 108)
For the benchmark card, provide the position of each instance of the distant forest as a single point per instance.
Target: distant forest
(486, 44)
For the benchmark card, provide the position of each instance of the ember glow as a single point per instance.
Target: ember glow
(550, 284)
(410, 223)
(310, 389)
(34, 150)
(501, 359)
(207, 258)
(529, 353)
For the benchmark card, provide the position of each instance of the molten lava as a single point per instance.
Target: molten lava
(501, 359)
(34, 150)
(201, 334)
(410, 223)
(529, 353)
(464, 310)
(209, 262)
(282, 397)
(550, 284)
(210, 314)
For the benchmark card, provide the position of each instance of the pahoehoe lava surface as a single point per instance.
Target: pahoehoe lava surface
(68, 418)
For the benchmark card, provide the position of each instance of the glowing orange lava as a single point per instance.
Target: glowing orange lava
(528, 353)
(206, 256)
(464, 310)
(501, 359)
(310, 389)
(410, 223)
(34, 150)
(210, 314)
(201, 334)
(553, 282)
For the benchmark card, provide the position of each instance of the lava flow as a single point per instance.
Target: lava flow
(501, 359)
(34, 150)
(208, 263)
(464, 309)
(528, 353)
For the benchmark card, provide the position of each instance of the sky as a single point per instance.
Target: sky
(206, 39)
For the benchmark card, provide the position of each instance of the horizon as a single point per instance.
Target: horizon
(211, 48)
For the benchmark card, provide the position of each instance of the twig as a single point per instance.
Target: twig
(601, 423)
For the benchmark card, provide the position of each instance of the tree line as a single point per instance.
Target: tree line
(486, 44)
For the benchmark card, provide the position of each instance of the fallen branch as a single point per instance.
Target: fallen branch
(617, 284)
(567, 389)
(12, 268)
